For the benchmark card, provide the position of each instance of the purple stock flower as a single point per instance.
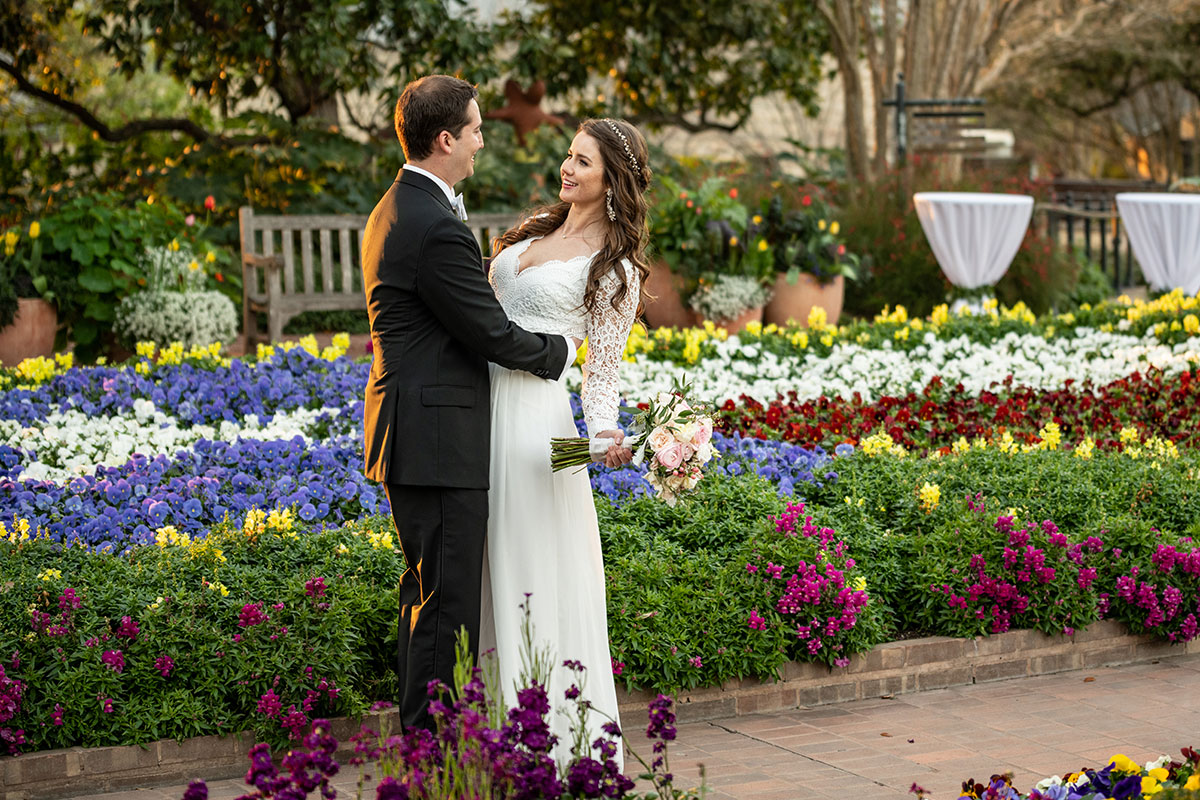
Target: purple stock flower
(196, 790)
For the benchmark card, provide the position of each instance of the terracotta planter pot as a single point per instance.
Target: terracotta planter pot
(666, 310)
(792, 302)
(739, 323)
(30, 334)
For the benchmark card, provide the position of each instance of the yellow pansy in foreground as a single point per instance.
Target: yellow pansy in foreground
(1123, 763)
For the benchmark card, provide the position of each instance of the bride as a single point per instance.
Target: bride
(575, 268)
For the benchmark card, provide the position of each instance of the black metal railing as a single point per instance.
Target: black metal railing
(1083, 215)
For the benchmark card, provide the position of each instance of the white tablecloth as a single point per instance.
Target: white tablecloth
(1164, 230)
(974, 235)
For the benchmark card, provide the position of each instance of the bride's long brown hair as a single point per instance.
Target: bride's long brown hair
(627, 173)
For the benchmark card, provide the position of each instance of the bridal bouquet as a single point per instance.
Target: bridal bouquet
(671, 432)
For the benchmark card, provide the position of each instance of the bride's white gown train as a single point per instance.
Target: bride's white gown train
(543, 540)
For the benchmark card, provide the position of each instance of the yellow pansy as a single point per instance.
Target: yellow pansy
(173, 246)
(821, 224)
(35, 229)
(834, 227)
(1123, 763)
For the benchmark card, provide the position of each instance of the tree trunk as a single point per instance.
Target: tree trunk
(842, 18)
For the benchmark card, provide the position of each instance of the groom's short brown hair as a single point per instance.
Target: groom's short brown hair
(428, 106)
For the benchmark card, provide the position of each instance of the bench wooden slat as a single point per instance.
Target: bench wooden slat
(283, 291)
(344, 246)
(306, 259)
(326, 261)
(288, 247)
(301, 222)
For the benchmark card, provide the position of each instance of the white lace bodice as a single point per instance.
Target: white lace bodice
(548, 298)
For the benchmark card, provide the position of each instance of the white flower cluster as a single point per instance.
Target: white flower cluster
(72, 443)
(873, 372)
(729, 297)
(192, 318)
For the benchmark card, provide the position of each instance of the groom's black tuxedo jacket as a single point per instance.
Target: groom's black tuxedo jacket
(435, 324)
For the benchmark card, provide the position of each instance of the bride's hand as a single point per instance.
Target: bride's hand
(616, 456)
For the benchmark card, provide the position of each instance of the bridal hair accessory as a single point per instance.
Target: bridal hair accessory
(612, 215)
(625, 142)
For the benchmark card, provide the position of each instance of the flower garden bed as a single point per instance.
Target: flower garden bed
(887, 669)
(209, 554)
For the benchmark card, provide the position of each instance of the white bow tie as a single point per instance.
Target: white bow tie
(459, 208)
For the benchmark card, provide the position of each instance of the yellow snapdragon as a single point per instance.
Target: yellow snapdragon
(929, 495)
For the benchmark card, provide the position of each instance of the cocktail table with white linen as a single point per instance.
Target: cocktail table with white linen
(974, 235)
(1164, 231)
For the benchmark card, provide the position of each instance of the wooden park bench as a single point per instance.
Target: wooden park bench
(311, 262)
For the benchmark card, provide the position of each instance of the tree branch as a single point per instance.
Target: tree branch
(130, 129)
(127, 131)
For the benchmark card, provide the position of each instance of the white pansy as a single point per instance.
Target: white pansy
(70, 443)
(872, 372)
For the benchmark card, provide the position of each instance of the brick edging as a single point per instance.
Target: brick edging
(934, 662)
(913, 665)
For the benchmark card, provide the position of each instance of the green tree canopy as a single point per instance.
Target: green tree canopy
(698, 66)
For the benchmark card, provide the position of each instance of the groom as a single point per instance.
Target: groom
(434, 326)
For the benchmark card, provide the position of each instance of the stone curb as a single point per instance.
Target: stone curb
(913, 665)
(934, 662)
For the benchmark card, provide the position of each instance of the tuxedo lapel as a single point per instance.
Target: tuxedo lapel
(416, 179)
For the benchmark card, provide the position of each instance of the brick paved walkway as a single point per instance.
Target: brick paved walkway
(869, 749)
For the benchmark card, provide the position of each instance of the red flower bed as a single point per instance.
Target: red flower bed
(937, 416)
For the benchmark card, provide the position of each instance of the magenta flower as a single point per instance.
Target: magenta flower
(315, 587)
(56, 716)
(128, 629)
(252, 614)
(165, 665)
(270, 705)
(114, 659)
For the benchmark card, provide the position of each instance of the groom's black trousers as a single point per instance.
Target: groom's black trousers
(442, 533)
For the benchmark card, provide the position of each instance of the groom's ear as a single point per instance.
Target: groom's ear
(444, 142)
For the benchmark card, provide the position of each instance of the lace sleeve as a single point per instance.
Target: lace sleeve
(607, 330)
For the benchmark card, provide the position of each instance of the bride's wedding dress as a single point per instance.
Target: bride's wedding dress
(543, 541)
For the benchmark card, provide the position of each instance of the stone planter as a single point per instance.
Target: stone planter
(794, 301)
(666, 310)
(31, 332)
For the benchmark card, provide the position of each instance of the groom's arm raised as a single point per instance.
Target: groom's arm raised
(451, 281)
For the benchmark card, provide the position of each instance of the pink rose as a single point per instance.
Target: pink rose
(190, 220)
(670, 456)
(688, 452)
(703, 432)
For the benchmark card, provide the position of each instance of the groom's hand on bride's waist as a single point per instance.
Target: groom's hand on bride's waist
(617, 455)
